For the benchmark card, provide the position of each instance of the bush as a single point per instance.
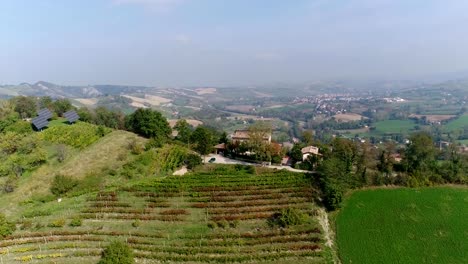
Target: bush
(135, 147)
(26, 224)
(6, 228)
(192, 160)
(136, 223)
(57, 223)
(222, 224)
(75, 222)
(287, 217)
(117, 252)
(332, 196)
(10, 185)
(211, 225)
(62, 184)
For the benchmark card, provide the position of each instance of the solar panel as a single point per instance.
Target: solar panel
(44, 112)
(71, 116)
(40, 122)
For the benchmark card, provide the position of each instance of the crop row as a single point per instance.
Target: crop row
(253, 242)
(143, 217)
(244, 210)
(239, 204)
(109, 204)
(117, 210)
(296, 246)
(227, 258)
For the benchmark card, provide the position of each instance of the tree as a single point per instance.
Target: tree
(148, 123)
(296, 153)
(308, 137)
(203, 140)
(192, 160)
(117, 252)
(61, 106)
(25, 106)
(184, 130)
(223, 138)
(420, 153)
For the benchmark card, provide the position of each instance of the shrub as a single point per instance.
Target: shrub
(62, 184)
(26, 224)
(136, 223)
(75, 222)
(250, 169)
(222, 224)
(287, 217)
(10, 184)
(117, 252)
(6, 228)
(135, 147)
(234, 224)
(57, 223)
(211, 225)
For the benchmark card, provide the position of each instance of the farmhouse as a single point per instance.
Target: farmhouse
(240, 136)
(309, 150)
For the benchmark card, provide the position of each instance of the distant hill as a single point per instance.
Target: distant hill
(43, 88)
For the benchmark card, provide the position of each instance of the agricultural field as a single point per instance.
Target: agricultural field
(426, 225)
(348, 117)
(217, 214)
(457, 124)
(394, 126)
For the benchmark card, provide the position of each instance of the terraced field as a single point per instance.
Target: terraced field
(212, 216)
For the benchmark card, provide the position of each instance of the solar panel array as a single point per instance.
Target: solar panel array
(71, 116)
(44, 112)
(40, 122)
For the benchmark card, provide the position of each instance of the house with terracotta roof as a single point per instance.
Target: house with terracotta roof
(309, 150)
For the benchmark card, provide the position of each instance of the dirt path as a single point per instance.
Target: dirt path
(328, 234)
(181, 171)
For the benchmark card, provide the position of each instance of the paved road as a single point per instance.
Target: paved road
(223, 160)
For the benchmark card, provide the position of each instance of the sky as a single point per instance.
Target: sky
(229, 42)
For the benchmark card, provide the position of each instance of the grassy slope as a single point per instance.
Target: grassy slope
(404, 226)
(109, 152)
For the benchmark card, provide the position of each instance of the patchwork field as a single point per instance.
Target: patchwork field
(216, 215)
(426, 225)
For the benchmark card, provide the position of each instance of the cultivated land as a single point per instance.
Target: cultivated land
(168, 218)
(394, 126)
(427, 225)
(458, 123)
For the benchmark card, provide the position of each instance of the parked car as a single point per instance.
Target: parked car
(212, 160)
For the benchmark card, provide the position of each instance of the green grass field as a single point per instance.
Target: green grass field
(458, 123)
(427, 225)
(394, 126)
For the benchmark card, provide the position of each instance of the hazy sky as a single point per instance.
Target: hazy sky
(229, 42)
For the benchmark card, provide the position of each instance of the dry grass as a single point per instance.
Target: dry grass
(87, 101)
(348, 117)
(149, 100)
(106, 153)
(192, 122)
(434, 118)
(202, 91)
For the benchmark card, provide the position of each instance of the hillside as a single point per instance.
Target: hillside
(217, 213)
